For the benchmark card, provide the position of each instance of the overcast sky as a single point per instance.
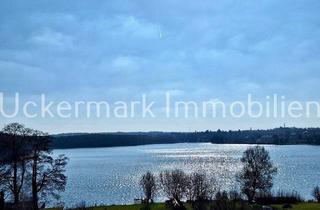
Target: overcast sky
(198, 50)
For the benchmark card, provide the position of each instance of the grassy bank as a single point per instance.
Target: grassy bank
(161, 206)
(302, 206)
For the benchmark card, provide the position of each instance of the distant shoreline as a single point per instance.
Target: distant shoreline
(277, 136)
(186, 143)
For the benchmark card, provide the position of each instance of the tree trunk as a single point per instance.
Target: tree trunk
(250, 200)
(34, 185)
(35, 201)
(15, 173)
(251, 197)
(1, 200)
(15, 184)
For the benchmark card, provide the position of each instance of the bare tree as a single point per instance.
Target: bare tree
(4, 175)
(198, 187)
(14, 156)
(174, 184)
(189, 189)
(214, 188)
(40, 147)
(52, 178)
(148, 184)
(257, 172)
(26, 153)
(316, 193)
(47, 176)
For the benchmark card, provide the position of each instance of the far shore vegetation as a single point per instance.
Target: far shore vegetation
(30, 177)
(278, 136)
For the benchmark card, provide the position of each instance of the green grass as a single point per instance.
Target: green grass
(156, 206)
(161, 206)
(302, 206)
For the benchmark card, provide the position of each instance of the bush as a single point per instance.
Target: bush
(81, 206)
(287, 206)
(175, 204)
(316, 193)
(235, 195)
(280, 198)
(224, 202)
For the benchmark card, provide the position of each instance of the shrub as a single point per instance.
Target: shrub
(175, 204)
(81, 206)
(316, 193)
(287, 206)
(280, 198)
(223, 201)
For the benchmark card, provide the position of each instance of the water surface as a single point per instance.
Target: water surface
(111, 175)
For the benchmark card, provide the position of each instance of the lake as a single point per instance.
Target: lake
(111, 175)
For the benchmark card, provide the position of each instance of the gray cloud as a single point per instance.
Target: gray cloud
(124, 48)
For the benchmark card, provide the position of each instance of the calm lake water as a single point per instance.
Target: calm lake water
(111, 175)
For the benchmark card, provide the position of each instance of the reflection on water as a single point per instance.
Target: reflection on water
(111, 175)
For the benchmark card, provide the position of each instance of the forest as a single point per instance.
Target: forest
(279, 136)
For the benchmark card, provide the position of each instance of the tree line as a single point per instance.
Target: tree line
(280, 136)
(29, 173)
